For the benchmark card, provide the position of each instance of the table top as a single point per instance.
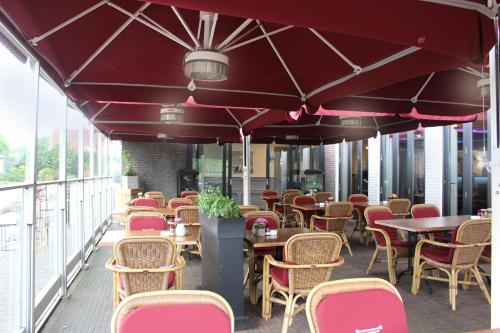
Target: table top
(496, 330)
(279, 240)
(113, 236)
(309, 207)
(426, 224)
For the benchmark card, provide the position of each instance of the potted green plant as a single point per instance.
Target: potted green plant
(222, 233)
(130, 180)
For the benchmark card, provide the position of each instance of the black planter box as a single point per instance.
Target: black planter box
(222, 261)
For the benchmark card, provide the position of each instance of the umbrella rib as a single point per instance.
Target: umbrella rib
(420, 101)
(212, 31)
(186, 27)
(35, 40)
(283, 63)
(230, 48)
(143, 122)
(100, 111)
(234, 34)
(140, 85)
(232, 116)
(255, 117)
(414, 99)
(366, 69)
(357, 69)
(154, 26)
(106, 43)
(472, 71)
(488, 12)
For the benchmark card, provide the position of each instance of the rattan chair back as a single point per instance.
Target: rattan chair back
(247, 208)
(269, 192)
(138, 209)
(291, 190)
(322, 196)
(190, 216)
(430, 210)
(153, 193)
(358, 198)
(311, 248)
(144, 253)
(193, 198)
(261, 213)
(471, 232)
(170, 298)
(160, 198)
(399, 206)
(288, 201)
(341, 210)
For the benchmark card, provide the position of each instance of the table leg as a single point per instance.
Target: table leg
(252, 288)
(412, 242)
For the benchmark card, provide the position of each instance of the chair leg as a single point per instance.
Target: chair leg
(346, 242)
(288, 314)
(467, 279)
(245, 279)
(198, 244)
(374, 259)
(356, 227)
(480, 282)
(390, 266)
(453, 289)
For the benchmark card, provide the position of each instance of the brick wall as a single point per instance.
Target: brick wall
(156, 164)
(434, 166)
(374, 170)
(331, 169)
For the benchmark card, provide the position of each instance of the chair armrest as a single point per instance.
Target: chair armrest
(301, 216)
(111, 265)
(269, 260)
(422, 242)
(383, 232)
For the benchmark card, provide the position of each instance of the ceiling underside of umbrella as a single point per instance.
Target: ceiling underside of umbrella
(122, 59)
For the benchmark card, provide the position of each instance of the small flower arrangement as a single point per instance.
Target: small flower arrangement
(259, 227)
(177, 220)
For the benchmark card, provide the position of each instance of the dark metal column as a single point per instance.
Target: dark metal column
(224, 170)
(322, 162)
(446, 170)
(410, 167)
(189, 157)
(359, 179)
(268, 162)
(229, 169)
(395, 164)
(383, 152)
(467, 169)
(349, 168)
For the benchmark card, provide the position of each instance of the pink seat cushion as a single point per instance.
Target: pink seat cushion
(320, 224)
(281, 274)
(186, 318)
(139, 223)
(269, 193)
(337, 313)
(171, 280)
(378, 215)
(176, 204)
(185, 194)
(439, 253)
(420, 212)
(487, 251)
(279, 209)
(145, 202)
(270, 222)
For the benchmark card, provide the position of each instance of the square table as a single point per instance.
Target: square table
(416, 226)
(255, 242)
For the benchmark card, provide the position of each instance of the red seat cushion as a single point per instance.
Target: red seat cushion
(171, 280)
(139, 223)
(320, 224)
(436, 253)
(487, 251)
(379, 215)
(279, 209)
(281, 274)
(176, 318)
(175, 204)
(304, 200)
(420, 212)
(145, 202)
(336, 313)
(358, 199)
(271, 223)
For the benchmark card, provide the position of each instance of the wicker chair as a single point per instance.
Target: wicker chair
(143, 221)
(303, 217)
(160, 198)
(399, 207)
(142, 264)
(322, 196)
(272, 222)
(335, 220)
(139, 313)
(284, 209)
(331, 307)
(292, 190)
(186, 193)
(145, 202)
(190, 216)
(247, 208)
(134, 209)
(308, 261)
(153, 193)
(193, 198)
(386, 239)
(178, 202)
(359, 226)
(268, 202)
(429, 210)
(462, 254)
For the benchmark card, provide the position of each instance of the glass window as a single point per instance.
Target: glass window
(73, 135)
(479, 156)
(11, 219)
(87, 128)
(419, 167)
(387, 172)
(364, 167)
(279, 154)
(355, 168)
(97, 138)
(16, 134)
(51, 130)
(403, 158)
(47, 214)
(73, 243)
(211, 165)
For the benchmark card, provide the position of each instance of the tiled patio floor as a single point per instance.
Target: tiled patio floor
(89, 308)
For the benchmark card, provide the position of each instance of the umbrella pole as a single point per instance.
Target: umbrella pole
(246, 169)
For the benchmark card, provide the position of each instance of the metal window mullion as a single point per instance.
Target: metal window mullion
(446, 170)
(395, 164)
(467, 169)
(410, 166)
(360, 166)
(230, 169)
(349, 168)
(224, 169)
(383, 153)
(268, 162)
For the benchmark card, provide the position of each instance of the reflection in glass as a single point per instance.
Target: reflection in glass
(403, 158)
(74, 128)
(419, 167)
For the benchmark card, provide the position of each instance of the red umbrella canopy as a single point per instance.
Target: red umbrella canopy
(133, 51)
